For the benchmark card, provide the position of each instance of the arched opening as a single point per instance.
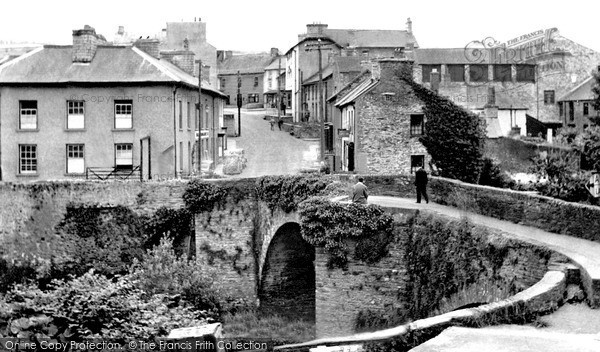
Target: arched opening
(288, 277)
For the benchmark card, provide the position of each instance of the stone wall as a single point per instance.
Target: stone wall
(383, 115)
(342, 294)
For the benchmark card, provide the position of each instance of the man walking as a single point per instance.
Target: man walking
(421, 183)
(359, 194)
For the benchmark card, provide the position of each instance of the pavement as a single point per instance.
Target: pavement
(271, 152)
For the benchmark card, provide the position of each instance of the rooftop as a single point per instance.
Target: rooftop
(247, 63)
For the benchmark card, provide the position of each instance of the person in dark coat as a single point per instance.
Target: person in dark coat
(360, 194)
(421, 183)
(282, 106)
(280, 123)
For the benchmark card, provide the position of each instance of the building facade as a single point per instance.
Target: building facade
(576, 107)
(251, 69)
(98, 110)
(303, 58)
(379, 123)
(528, 74)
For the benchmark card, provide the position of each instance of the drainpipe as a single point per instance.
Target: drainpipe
(214, 135)
(175, 131)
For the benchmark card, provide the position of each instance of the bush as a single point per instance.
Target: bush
(176, 224)
(286, 192)
(202, 196)
(492, 175)
(91, 306)
(161, 271)
(564, 179)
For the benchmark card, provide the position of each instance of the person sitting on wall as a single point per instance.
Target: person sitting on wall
(360, 194)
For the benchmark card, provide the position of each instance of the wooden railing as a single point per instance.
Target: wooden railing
(106, 173)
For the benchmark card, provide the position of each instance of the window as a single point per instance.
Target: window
(253, 98)
(549, 97)
(123, 114)
(478, 73)
(124, 156)
(270, 82)
(571, 110)
(416, 161)
(457, 73)
(180, 115)
(586, 109)
(75, 159)
(525, 73)
(388, 96)
(561, 110)
(502, 73)
(256, 81)
(417, 125)
(189, 116)
(223, 80)
(28, 159)
(427, 69)
(28, 114)
(365, 53)
(75, 114)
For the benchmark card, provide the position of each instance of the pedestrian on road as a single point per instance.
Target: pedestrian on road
(360, 195)
(280, 123)
(273, 125)
(421, 183)
(283, 107)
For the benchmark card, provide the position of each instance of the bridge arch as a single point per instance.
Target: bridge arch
(287, 283)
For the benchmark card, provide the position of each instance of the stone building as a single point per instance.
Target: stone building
(251, 68)
(575, 107)
(303, 57)
(378, 121)
(528, 74)
(96, 109)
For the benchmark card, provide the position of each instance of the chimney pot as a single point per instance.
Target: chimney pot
(121, 30)
(435, 80)
(409, 26)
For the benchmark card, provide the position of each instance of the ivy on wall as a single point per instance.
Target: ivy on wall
(327, 224)
(454, 137)
(202, 196)
(287, 192)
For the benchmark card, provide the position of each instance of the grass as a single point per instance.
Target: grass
(250, 323)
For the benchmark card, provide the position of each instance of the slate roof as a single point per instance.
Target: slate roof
(340, 64)
(357, 91)
(327, 71)
(370, 38)
(275, 64)
(581, 92)
(246, 63)
(446, 56)
(53, 64)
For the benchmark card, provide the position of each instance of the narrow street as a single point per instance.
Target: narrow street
(271, 152)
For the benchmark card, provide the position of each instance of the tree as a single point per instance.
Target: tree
(596, 102)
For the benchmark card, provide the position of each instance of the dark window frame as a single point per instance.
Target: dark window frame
(549, 97)
(502, 73)
(416, 161)
(23, 106)
(456, 72)
(123, 166)
(483, 70)
(417, 125)
(525, 73)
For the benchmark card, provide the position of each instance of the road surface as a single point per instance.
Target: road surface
(271, 152)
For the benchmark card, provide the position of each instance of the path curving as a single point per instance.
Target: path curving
(583, 253)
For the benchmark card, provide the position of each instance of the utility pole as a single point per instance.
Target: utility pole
(239, 104)
(199, 120)
(278, 106)
(319, 46)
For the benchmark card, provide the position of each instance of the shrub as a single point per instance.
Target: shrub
(202, 196)
(564, 179)
(492, 175)
(173, 223)
(286, 192)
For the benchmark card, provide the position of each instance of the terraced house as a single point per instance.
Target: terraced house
(97, 110)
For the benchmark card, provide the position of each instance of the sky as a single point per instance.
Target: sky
(258, 25)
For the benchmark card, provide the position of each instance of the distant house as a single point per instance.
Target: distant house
(274, 83)
(303, 62)
(528, 75)
(94, 110)
(379, 122)
(575, 107)
(251, 68)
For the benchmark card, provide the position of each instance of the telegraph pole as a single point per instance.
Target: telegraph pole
(199, 120)
(278, 92)
(239, 103)
(319, 46)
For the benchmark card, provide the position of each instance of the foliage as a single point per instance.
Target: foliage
(106, 239)
(492, 175)
(564, 179)
(202, 196)
(161, 271)
(454, 139)
(173, 223)
(444, 257)
(596, 102)
(286, 192)
(327, 224)
(371, 320)
(91, 306)
(588, 145)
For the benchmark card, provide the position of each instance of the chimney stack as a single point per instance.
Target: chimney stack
(149, 46)
(315, 29)
(274, 52)
(121, 30)
(184, 59)
(409, 26)
(490, 108)
(85, 43)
